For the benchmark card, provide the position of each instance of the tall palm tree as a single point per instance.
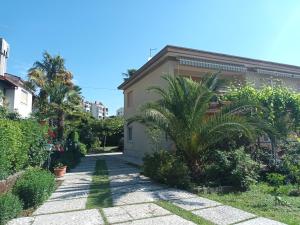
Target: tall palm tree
(57, 93)
(182, 113)
(63, 100)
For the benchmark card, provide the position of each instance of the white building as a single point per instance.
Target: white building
(120, 112)
(97, 109)
(16, 96)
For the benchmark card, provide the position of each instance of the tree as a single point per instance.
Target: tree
(278, 106)
(57, 93)
(108, 127)
(129, 73)
(181, 112)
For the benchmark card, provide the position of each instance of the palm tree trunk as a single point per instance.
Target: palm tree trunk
(61, 124)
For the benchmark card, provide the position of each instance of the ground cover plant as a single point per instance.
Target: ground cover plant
(183, 213)
(259, 199)
(99, 195)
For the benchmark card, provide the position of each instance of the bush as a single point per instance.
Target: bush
(34, 187)
(234, 168)
(82, 149)
(10, 207)
(35, 141)
(164, 167)
(21, 144)
(13, 152)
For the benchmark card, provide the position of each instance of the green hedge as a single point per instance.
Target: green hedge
(34, 187)
(21, 144)
(166, 168)
(10, 207)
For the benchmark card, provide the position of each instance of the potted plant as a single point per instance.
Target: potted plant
(60, 170)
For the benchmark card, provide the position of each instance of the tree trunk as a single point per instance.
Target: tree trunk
(60, 126)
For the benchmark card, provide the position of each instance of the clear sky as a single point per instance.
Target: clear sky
(101, 39)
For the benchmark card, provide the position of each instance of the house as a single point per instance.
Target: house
(193, 63)
(17, 97)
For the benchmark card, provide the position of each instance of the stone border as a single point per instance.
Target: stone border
(8, 183)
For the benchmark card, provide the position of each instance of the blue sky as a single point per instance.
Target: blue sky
(101, 39)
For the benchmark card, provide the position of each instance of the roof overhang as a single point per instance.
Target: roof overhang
(211, 60)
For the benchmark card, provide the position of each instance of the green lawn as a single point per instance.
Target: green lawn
(183, 213)
(100, 195)
(260, 201)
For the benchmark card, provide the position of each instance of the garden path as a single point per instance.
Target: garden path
(134, 199)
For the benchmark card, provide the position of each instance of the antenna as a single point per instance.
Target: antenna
(150, 52)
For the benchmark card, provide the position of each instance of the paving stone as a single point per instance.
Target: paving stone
(164, 220)
(61, 206)
(195, 203)
(260, 221)
(85, 217)
(133, 212)
(127, 181)
(149, 186)
(145, 210)
(21, 221)
(63, 194)
(133, 198)
(172, 193)
(223, 215)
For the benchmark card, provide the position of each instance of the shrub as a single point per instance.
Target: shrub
(21, 144)
(164, 167)
(96, 145)
(82, 148)
(35, 141)
(34, 187)
(13, 152)
(235, 168)
(10, 207)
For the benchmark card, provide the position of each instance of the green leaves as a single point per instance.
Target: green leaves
(182, 110)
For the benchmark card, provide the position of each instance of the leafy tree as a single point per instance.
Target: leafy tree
(181, 113)
(278, 106)
(108, 128)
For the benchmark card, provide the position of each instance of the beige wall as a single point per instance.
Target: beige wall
(140, 143)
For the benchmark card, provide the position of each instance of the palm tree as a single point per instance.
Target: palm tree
(129, 73)
(64, 99)
(57, 93)
(182, 113)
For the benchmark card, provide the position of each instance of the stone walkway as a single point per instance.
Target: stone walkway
(134, 199)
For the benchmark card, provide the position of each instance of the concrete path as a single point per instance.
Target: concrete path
(134, 198)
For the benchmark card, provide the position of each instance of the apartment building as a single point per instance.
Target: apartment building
(97, 109)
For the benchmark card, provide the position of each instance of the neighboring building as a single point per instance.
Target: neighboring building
(192, 63)
(87, 106)
(97, 109)
(17, 97)
(120, 112)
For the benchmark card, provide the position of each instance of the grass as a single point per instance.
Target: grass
(260, 201)
(100, 195)
(183, 213)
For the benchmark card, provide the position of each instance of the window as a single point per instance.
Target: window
(129, 135)
(24, 97)
(129, 99)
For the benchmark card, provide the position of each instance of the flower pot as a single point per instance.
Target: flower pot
(65, 169)
(60, 171)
